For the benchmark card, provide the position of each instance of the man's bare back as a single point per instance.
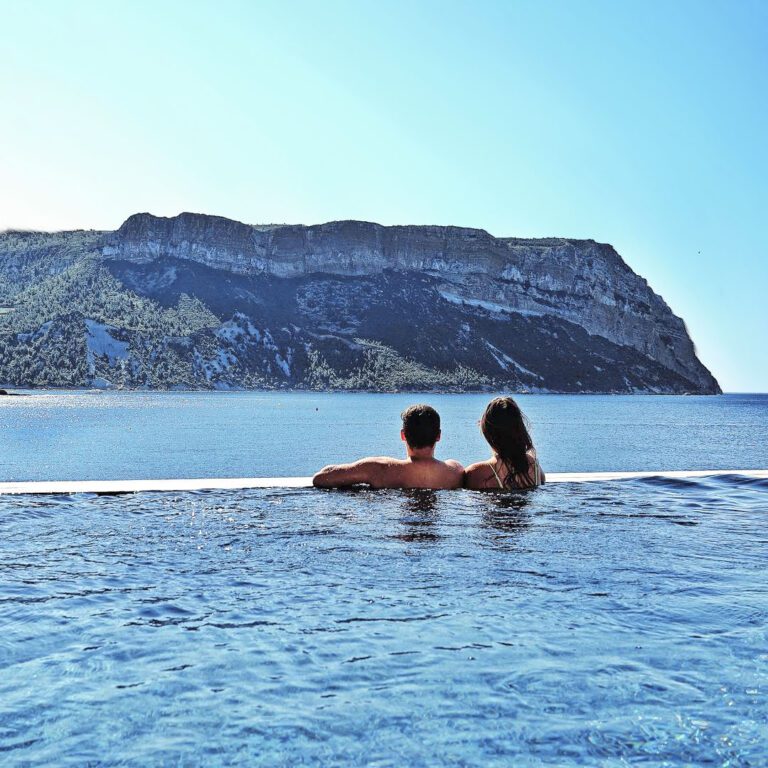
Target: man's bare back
(420, 433)
(386, 472)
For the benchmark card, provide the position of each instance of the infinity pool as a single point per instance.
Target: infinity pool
(612, 624)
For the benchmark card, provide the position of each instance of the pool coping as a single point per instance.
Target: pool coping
(213, 484)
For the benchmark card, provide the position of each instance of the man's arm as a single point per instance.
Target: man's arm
(343, 475)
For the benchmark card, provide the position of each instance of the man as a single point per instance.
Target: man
(420, 432)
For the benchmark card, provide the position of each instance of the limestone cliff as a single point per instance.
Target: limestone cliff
(581, 281)
(349, 304)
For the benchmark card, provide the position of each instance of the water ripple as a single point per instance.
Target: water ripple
(621, 623)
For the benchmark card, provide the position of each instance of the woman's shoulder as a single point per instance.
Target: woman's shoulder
(478, 465)
(478, 475)
(481, 468)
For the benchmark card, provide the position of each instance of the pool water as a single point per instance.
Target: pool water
(590, 624)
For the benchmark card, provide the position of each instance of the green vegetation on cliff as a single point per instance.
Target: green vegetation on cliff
(82, 327)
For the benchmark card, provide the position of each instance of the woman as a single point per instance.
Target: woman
(514, 464)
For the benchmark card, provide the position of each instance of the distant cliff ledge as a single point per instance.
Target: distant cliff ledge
(199, 301)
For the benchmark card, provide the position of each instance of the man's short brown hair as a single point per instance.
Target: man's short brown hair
(421, 425)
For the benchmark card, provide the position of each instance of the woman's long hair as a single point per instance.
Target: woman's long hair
(506, 429)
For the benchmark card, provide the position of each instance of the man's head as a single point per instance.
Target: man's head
(421, 426)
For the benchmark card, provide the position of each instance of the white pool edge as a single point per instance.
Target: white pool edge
(212, 484)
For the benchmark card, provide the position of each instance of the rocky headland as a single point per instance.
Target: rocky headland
(202, 301)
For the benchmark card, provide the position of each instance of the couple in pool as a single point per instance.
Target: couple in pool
(513, 465)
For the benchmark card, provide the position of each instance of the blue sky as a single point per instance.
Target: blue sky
(641, 124)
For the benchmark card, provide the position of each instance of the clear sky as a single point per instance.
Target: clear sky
(642, 124)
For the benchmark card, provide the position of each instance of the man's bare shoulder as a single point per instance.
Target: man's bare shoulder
(456, 469)
(456, 473)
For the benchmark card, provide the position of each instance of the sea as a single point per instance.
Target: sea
(613, 623)
(137, 435)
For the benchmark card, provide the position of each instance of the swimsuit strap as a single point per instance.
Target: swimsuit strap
(495, 474)
(536, 474)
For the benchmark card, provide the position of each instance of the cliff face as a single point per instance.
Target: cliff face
(205, 301)
(580, 281)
